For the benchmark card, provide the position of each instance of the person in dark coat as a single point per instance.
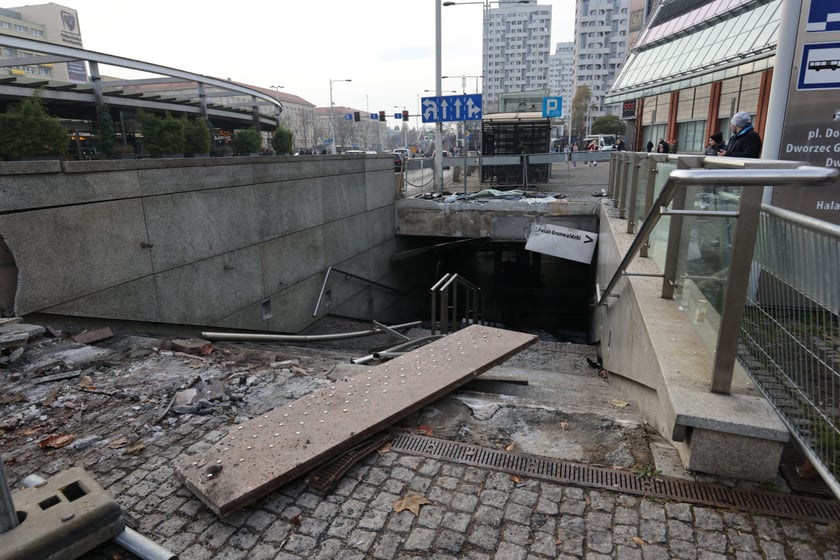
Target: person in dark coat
(715, 144)
(745, 141)
(649, 145)
(663, 147)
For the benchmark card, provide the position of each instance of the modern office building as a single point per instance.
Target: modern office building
(52, 23)
(688, 71)
(517, 47)
(601, 33)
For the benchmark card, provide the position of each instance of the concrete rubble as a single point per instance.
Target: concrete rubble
(127, 407)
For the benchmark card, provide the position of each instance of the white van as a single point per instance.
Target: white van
(603, 141)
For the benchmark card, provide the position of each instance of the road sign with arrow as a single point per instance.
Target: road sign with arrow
(566, 243)
(448, 108)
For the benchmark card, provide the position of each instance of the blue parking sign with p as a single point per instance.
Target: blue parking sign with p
(552, 107)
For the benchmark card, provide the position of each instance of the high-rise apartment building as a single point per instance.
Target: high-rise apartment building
(601, 31)
(561, 74)
(517, 45)
(52, 23)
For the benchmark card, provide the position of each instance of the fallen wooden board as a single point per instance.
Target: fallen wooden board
(262, 454)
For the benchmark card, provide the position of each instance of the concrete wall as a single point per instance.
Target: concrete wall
(663, 364)
(226, 242)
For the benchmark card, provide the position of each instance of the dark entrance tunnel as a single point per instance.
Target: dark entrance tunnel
(522, 290)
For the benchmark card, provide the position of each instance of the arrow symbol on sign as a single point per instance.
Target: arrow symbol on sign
(588, 239)
(430, 111)
(472, 108)
(457, 110)
(443, 106)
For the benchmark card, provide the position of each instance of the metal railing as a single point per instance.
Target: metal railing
(757, 281)
(790, 337)
(449, 311)
(325, 293)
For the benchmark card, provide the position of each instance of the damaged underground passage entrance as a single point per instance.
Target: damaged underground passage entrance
(522, 290)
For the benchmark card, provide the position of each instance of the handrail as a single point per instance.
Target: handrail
(351, 275)
(442, 289)
(805, 175)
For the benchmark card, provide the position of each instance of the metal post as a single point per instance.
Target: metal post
(438, 176)
(735, 295)
(8, 515)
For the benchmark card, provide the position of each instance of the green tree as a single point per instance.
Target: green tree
(27, 130)
(283, 140)
(106, 136)
(162, 135)
(580, 110)
(247, 141)
(609, 124)
(197, 137)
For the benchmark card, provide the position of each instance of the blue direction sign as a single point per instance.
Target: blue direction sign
(348, 116)
(398, 116)
(451, 108)
(552, 107)
(374, 116)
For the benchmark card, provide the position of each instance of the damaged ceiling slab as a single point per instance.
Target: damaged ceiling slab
(266, 452)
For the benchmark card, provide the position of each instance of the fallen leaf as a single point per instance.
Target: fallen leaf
(56, 441)
(298, 371)
(517, 479)
(134, 449)
(384, 449)
(510, 447)
(295, 520)
(564, 426)
(424, 429)
(86, 381)
(117, 443)
(618, 403)
(558, 542)
(412, 503)
(638, 541)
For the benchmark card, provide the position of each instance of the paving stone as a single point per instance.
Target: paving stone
(300, 544)
(464, 502)
(518, 514)
(652, 531)
(515, 533)
(484, 536)
(707, 519)
(627, 553)
(373, 520)
(387, 547)
(420, 538)
(361, 540)
(599, 540)
(510, 551)
(450, 541)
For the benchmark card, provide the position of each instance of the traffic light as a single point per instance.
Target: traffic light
(405, 116)
(356, 116)
(382, 116)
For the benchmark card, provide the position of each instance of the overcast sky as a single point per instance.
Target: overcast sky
(386, 47)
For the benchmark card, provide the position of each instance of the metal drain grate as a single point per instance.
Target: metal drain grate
(754, 501)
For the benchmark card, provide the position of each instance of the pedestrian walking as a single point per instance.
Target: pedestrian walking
(745, 141)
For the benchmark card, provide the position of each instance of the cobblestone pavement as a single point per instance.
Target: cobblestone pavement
(472, 513)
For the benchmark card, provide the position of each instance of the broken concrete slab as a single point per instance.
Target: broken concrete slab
(264, 453)
(89, 337)
(196, 346)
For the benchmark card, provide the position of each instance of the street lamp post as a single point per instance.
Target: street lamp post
(332, 115)
(277, 110)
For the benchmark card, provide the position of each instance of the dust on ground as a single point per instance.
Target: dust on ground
(116, 394)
